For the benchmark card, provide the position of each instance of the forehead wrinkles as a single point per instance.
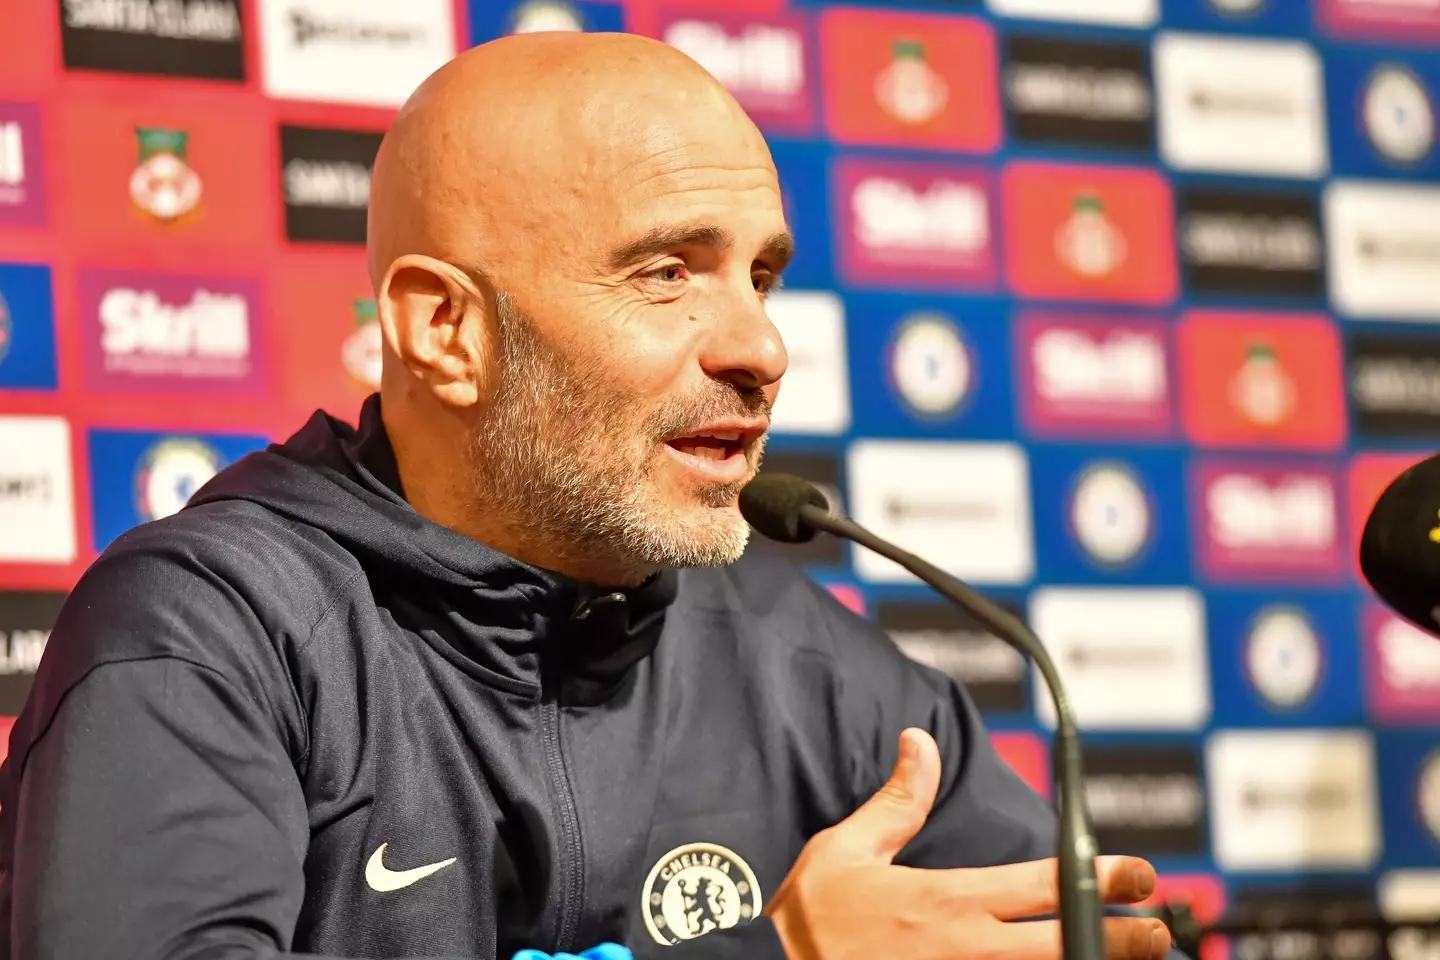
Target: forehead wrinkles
(569, 170)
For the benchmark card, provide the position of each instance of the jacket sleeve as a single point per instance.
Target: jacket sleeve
(158, 816)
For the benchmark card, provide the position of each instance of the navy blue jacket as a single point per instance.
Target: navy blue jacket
(242, 704)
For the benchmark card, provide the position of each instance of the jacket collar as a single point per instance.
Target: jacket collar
(535, 629)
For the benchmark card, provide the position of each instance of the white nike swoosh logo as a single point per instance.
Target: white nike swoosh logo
(383, 879)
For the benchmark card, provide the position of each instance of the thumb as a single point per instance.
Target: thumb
(896, 812)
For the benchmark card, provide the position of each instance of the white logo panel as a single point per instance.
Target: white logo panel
(815, 392)
(965, 507)
(1293, 799)
(1118, 13)
(1384, 245)
(365, 52)
(1130, 659)
(37, 502)
(1235, 105)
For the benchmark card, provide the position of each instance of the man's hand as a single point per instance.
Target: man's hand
(845, 900)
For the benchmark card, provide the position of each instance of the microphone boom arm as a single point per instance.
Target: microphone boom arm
(1081, 910)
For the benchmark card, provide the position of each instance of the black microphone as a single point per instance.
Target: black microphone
(1400, 548)
(791, 510)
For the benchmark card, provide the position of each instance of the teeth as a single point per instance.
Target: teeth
(731, 435)
(702, 452)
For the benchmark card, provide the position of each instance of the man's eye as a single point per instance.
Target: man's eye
(765, 282)
(669, 273)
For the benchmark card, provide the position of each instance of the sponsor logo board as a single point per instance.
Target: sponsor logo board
(27, 328)
(1088, 233)
(1402, 669)
(1146, 800)
(1092, 376)
(947, 638)
(963, 506)
(762, 60)
(816, 397)
(26, 618)
(364, 52)
(1115, 13)
(204, 39)
(1262, 380)
(1247, 243)
(1241, 105)
(909, 80)
(1259, 521)
(1395, 385)
(914, 224)
(1384, 250)
(1293, 800)
(1079, 92)
(1148, 642)
(1407, 21)
(37, 504)
(171, 333)
(325, 182)
(22, 166)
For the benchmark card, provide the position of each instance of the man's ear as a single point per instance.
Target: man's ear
(436, 323)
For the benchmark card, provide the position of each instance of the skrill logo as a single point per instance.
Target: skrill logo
(1095, 377)
(915, 223)
(22, 188)
(1402, 669)
(1280, 523)
(762, 64)
(1406, 20)
(171, 334)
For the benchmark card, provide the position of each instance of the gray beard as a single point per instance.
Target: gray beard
(553, 458)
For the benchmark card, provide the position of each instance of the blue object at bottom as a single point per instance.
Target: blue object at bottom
(606, 951)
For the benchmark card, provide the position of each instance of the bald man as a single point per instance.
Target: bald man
(490, 672)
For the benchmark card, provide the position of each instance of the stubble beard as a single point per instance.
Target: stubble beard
(556, 457)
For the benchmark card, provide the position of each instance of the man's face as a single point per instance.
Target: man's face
(638, 366)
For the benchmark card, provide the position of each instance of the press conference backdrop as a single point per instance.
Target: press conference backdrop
(1123, 309)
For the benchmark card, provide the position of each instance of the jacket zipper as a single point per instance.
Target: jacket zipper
(572, 859)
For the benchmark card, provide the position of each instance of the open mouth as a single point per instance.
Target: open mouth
(719, 445)
(717, 453)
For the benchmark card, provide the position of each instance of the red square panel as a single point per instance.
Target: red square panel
(1206, 896)
(1028, 756)
(1260, 380)
(909, 80)
(328, 341)
(1089, 233)
(140, 170)
(29, 45)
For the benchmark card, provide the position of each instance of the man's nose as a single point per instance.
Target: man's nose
(744, 347)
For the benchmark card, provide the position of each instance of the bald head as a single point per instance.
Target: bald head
(571, 237)
(527, 133)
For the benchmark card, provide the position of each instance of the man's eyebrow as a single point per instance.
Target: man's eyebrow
(778, 248)
(661, 239)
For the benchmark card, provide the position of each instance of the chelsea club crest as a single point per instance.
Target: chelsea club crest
(698, 888)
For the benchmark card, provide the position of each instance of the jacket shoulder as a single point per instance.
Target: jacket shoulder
(285, 574)
(782, 610)
(227, 587)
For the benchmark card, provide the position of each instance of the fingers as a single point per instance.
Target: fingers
(1124, 879)
(1014, 891)
(882, 826)
(1126, 938)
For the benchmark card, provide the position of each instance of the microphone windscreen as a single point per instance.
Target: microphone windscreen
(771, 504)
(1400, 548)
